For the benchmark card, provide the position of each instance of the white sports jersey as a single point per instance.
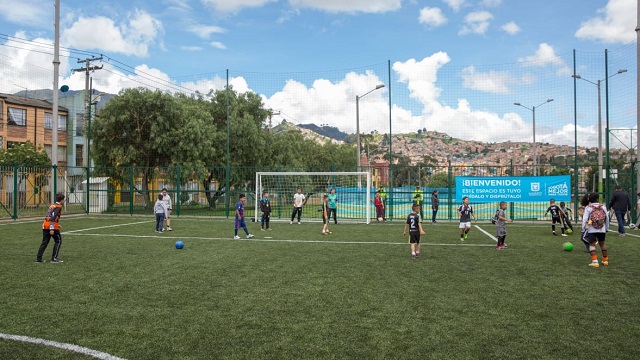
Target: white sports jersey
(298, 200)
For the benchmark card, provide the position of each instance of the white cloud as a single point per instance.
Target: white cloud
(102, 33)
(233, 6)
(421, 76)
(178, 6)
(511, 28)
(456, 5)
(351, 6)
(432, 17)
(460, 121)
(218, 45)
(476, 23)
(544, 56)
(191, 48)
(614, 24)
(491, 3)
(17, 59)
(205, 31)
(34, 12)
(310, 104)
(495, 82)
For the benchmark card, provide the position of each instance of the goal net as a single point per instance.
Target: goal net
(353, 191)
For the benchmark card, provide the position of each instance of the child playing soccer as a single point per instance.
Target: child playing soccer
(161, 211)
(333, 205)
(377, 201)
(167, 201)
(595, 224)
(240, 218)
(465, 211)
(415, 230)
(51, 229)
(583, 238)
(265, 208)
(298, 202)
(325, 215)
(555, 216)
(565, 216)
(501, 228)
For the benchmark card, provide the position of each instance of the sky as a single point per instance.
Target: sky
(457, 66)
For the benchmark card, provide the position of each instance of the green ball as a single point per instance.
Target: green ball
(569, 231)
(567, 246)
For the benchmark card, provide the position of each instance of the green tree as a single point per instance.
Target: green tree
(441, 180)
(25, 154)
(149, 129)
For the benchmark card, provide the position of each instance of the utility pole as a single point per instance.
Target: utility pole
(54, 127)
(87, 103)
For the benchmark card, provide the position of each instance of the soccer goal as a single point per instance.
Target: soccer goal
(353, 190)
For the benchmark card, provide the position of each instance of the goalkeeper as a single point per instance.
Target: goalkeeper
(417, 200)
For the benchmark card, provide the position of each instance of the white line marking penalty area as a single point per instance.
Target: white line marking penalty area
(70, 347)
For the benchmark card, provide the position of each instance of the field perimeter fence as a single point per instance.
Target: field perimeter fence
(126, 191)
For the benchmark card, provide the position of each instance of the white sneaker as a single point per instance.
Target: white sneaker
(291, 222)
(565, 235)
(169, 228)
(236, 237)
(249, 236)
(298, 222)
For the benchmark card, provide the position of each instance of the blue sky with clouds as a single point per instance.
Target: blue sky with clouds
(192, 42)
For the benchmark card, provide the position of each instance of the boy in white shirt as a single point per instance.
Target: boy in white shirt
(166, 198)
(298, 201)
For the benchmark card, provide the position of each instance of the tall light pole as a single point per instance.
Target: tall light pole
(535, 146)
(600, 162)
(380, 86)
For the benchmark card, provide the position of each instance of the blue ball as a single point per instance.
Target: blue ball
(179, 244)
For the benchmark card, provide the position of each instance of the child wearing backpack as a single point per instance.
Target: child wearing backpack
(595, 224)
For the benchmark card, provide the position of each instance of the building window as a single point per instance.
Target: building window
(16, 116)
(62, 122)
(1, 142)
(79, 124)
(79, 155)
(62, 152)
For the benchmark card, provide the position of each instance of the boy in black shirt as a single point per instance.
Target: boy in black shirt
(555, 216)
(415, 230)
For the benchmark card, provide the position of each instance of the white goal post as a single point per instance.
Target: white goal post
(353, 190)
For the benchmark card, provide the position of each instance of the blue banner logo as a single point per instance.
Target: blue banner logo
(516, 189)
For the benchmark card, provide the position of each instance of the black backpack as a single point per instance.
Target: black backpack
(494, 219)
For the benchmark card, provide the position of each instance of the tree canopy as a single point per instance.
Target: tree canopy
(25, 154)
(154, 129)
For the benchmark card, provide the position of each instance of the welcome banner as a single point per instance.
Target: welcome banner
(516, 188)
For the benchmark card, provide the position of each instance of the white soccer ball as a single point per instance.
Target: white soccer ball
(380, 219)
(632, 226)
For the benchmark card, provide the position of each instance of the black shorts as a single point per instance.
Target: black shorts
(556, 220)
(593, 237)
(414, 238)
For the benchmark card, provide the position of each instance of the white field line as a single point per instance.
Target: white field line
(489, 235)
(69, 347)
(486, 233)
(105, 227)
(280, 240)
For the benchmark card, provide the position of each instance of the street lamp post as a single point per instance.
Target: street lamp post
(600, 162)
(380, 86)
(535, 146)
